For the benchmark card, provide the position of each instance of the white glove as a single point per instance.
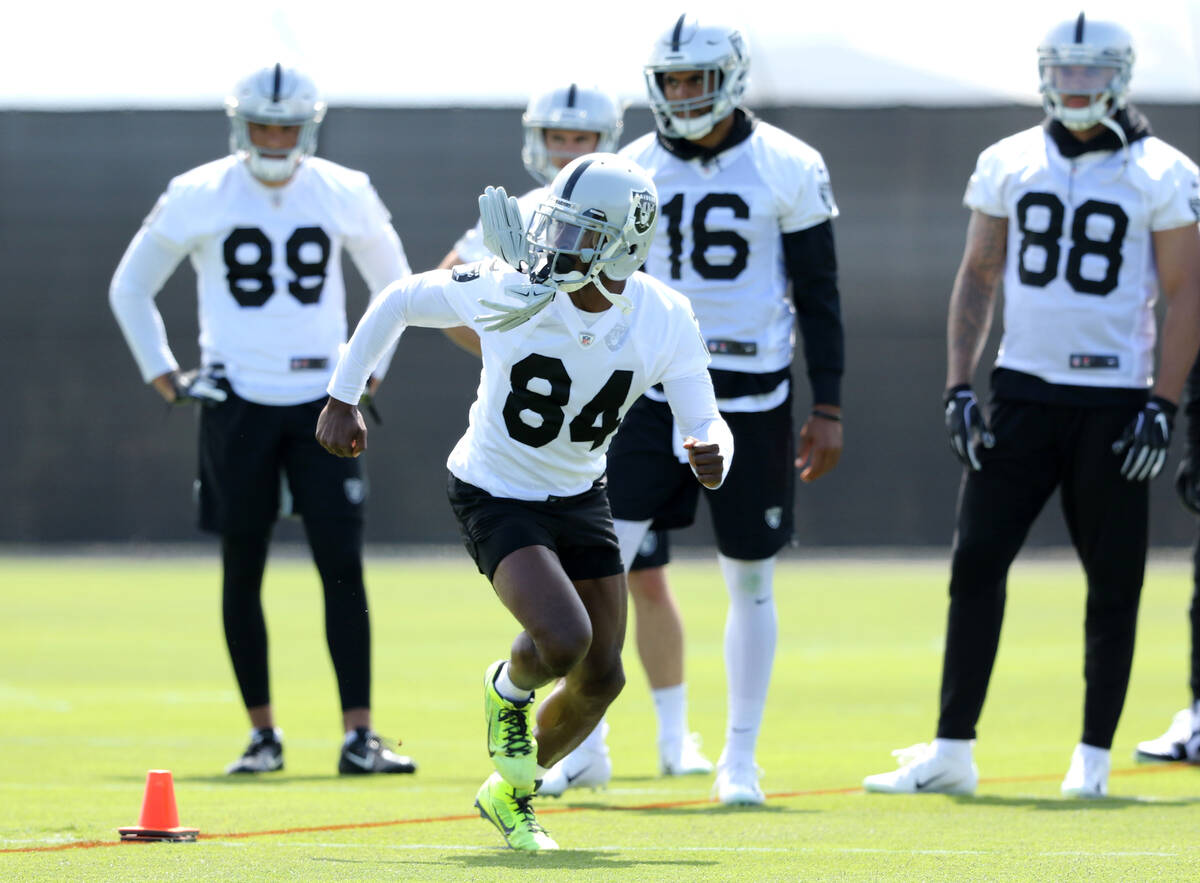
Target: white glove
(197, 387)
(533, 299)
(503, 229)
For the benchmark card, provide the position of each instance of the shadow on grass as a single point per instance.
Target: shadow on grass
(1067, 804)
(572, 859)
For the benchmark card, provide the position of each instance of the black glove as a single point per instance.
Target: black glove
(198, 387)
(966, 426)
(1146, 439)
(1185, 485)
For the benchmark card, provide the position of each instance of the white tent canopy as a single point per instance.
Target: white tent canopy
(483, 52)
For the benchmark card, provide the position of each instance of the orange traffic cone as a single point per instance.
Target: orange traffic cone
(160, 818)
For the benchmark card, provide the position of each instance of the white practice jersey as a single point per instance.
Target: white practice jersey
(719, 238)
(272, 300)
(470, 247)
(552, 391)
(1080, 280)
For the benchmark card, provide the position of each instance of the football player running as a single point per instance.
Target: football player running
(746, 209)
(567, 346)
(264, 230)
(1082, 219)
(559, 125)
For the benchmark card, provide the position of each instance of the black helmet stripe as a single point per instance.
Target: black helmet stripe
(569, 187)
(278, 82)
(1079, 29)
(677, 33)
(571, 96)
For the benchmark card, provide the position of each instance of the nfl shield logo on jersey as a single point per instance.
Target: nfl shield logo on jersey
(773, 517)
(586, 338)
(356, 490)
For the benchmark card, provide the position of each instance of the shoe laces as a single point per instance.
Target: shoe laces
(515, 732)
(525, 811)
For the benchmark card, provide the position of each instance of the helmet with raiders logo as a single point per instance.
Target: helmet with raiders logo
(276, 96)
(575, 108)
(720, 53)
(1085, 57)
(599, 217)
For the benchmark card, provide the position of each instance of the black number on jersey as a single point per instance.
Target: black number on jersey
(704, 239)
(597, 420)
(251, 284)
(1081, 244)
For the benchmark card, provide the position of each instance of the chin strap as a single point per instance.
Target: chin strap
(1116, 128)
(617, 300)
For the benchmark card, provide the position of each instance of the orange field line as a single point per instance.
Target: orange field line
(549, 810)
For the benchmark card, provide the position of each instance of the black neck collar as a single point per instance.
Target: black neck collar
(1130, 119)
(743, 124)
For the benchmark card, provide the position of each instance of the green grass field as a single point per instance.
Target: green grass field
(110, 667)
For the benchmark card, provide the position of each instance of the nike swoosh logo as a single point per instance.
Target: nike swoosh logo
(571, 779)
(921, 786)
(365, 762)
(762, 600)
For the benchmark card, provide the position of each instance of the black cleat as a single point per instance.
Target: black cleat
(264, 754)
(366, 753)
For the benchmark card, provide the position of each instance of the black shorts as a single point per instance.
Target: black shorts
(751, 512)
(655, 550)
(577, 529)
(244, 447)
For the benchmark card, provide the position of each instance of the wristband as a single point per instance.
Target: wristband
(825, 415)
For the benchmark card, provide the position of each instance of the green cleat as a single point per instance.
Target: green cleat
(511, 811)
(509, 734)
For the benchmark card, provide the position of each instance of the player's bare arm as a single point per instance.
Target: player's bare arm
(1177, 256)
(973, 299)
(341, 429)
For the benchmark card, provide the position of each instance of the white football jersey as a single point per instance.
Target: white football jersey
(719, 238)
(1080, 280)
(470, 247)
(272, 300)
(552, 391)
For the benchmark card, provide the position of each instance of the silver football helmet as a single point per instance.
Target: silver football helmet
(572, 107)
(1085, 57)
(599, 217)
(720, 52)
(274, 96)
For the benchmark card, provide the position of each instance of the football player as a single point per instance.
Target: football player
(747, 234)
(1181, 741)
(559, 125)
(567, 347)
(264, 229)
(1083, 220)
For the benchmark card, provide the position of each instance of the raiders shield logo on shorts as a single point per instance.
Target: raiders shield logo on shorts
(356, 490)
(773, 517)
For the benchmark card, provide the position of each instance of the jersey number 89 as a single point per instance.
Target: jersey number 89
(1046, 238)
(248, 256)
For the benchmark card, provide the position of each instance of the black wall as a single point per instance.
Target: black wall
(91, 455)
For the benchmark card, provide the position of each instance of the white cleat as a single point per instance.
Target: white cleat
(684, 758)
(737, 784)
(1172, 745)
(923, 770)
(581, 768)
(1088, 775)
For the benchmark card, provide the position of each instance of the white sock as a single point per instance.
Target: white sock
(958, 750)
(629, 536)
(595, 739)
(750, 633)
(1196, 716)
(671, 705)
(508, 689)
